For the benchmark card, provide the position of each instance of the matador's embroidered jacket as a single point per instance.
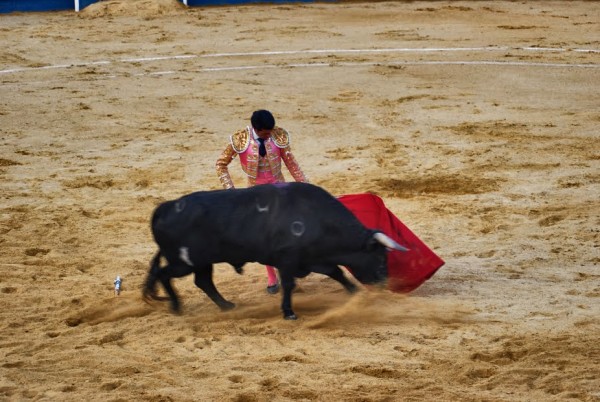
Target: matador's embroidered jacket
(260, 170)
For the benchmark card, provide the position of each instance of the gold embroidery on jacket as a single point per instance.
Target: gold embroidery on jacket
(280, 137)
(240, 140)
(292, 165)
(221, 166)
(252, 160)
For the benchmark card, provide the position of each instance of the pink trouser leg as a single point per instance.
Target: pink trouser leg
(271, 275)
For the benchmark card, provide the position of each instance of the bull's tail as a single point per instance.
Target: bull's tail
(149, 292)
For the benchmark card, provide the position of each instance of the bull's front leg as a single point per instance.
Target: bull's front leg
(334, 272)
(288, 284)
(203, 279)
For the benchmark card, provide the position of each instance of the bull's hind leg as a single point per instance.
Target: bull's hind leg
(203, 279)
(149, 292)
(164, 276)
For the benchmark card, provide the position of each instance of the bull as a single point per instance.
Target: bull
(297, 227)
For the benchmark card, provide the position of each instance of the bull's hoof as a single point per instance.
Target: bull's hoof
(175, 308)
(150, 295)
(227, 306)
(289, 315)
(146, 298)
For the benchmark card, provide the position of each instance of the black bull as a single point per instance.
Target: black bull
(297, 227)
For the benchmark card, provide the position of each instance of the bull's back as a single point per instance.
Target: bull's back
(174, 217)
(254, 215)
(194, 213)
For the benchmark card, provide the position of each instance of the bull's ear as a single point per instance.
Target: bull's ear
(388, 242)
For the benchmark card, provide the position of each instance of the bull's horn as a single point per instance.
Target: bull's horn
(388, 242)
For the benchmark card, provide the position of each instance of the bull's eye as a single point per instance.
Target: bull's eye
(179, 206)
(297, 228)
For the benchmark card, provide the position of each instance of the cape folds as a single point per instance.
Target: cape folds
(406, 270)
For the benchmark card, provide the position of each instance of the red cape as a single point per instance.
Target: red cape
(406, 270)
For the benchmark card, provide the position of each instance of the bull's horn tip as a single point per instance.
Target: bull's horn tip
(389, 242)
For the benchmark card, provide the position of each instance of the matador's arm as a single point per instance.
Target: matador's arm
(221, 166)
(292, 165)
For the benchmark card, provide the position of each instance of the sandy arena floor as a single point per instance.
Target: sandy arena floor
(477, 122)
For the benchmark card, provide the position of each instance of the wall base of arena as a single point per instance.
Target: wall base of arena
(9, 6)
(222, 2)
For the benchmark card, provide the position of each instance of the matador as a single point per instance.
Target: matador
(261, 148)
